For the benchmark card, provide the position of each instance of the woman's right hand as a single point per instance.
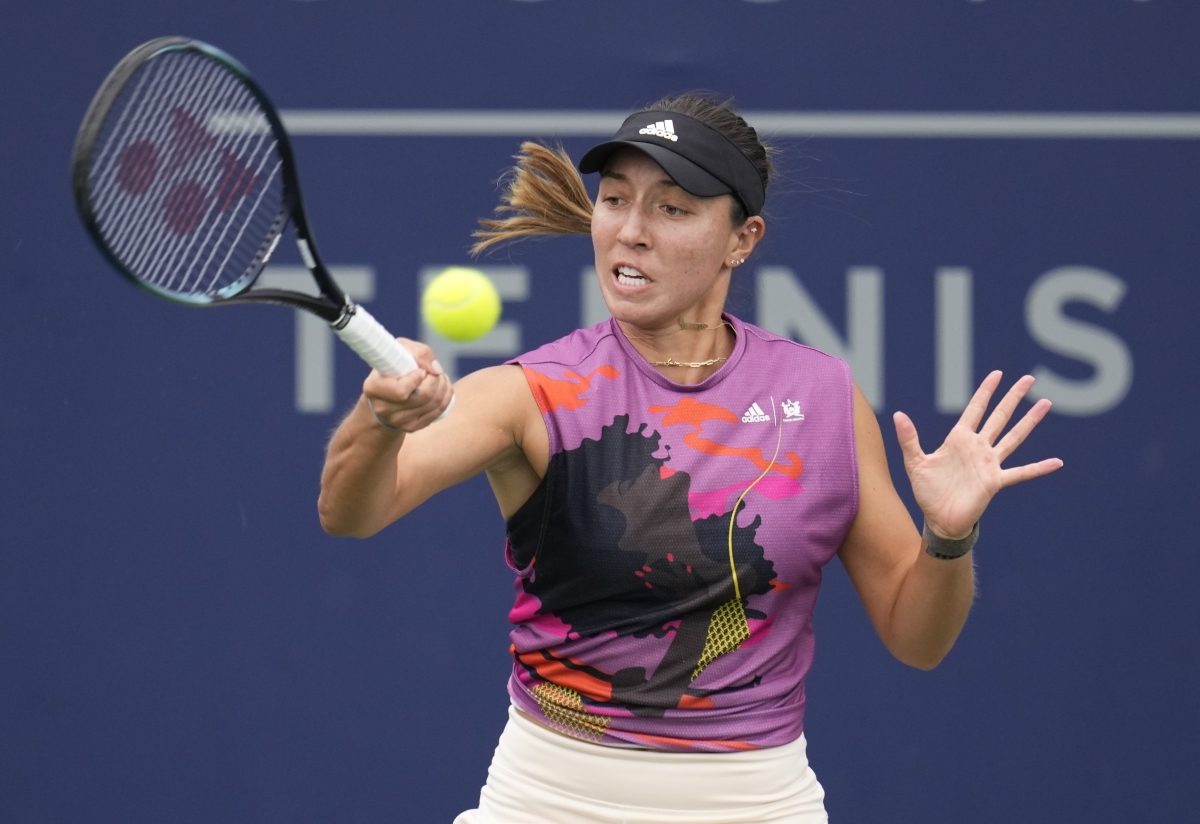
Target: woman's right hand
(410, 402)
(374, 475)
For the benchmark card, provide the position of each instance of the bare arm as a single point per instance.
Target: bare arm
(373, 475)
(918, 603)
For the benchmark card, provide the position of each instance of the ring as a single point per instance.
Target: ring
(415, 392)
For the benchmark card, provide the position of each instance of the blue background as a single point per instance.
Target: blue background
(180, 641)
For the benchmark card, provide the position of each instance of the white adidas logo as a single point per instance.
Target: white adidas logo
(663, 128)
(755, 415)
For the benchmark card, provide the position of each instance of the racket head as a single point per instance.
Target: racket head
(183, 173)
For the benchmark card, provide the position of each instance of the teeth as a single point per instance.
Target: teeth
(628, 276)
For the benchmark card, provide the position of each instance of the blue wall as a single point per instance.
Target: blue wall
(180, 641)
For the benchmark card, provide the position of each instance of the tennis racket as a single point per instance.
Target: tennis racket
(185, 179)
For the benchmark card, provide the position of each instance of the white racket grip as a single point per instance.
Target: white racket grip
(375, 345)
(378, 347)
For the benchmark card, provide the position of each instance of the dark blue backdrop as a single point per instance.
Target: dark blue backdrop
(180, 641)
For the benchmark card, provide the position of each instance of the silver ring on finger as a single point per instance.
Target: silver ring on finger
(415, 393)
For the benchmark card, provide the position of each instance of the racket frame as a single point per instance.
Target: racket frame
(332, 305)
(352, 323)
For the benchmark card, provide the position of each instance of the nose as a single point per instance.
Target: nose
(634, 231)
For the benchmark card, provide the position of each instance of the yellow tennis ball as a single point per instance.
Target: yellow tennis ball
(461, 304)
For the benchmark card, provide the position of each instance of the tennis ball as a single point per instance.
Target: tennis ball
(461, 304)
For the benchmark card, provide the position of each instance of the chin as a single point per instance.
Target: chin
(639, 315)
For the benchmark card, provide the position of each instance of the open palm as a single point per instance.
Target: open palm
(954, 484)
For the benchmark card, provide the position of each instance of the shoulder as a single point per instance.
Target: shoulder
(498, 395)
(570, 350)
(763, 343)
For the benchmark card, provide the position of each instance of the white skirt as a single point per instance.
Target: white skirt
(541, 776)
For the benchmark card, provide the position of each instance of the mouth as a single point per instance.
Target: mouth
(628, 276)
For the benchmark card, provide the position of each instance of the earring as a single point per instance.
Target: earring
(753, 228)
(737, 262)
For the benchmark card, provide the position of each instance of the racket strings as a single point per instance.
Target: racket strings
(201, 76)
(168, 118)
(104, 166)
(207, 178)
(185, 181)
(139, 140)
(199, 228)
(164, 245)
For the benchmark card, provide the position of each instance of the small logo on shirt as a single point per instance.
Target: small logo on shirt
(755, 415)
(663, 128)
(791, 411)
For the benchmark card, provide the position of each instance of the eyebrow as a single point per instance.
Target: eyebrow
(666, 181)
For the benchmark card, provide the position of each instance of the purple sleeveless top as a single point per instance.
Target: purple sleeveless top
(632, 625)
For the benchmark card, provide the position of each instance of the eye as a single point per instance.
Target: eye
(673, 211)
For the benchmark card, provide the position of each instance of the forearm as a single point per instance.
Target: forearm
(358, 483)
(930, 609)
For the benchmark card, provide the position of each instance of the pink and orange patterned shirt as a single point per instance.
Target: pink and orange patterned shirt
(647, 612)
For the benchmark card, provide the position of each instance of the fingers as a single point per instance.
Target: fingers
(1003, 412)
(393, 389)
(423, 355)
(906, 434)
(1017, 435)
(408, 402)
(424, 419)
(978, 404)
(399, 388)
(1029, 471)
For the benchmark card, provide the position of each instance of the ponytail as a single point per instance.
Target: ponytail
(545, 196)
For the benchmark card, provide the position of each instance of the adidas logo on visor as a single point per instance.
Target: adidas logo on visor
(663, 128)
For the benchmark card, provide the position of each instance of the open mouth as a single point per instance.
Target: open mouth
(628, 276)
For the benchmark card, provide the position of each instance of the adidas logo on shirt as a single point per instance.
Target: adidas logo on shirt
(663, 128)
(755, 415)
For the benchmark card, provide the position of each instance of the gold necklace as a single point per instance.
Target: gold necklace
(697, 327)
(694, 365)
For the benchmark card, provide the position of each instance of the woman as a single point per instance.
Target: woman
(673, 482)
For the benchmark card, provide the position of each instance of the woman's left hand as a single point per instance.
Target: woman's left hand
(955, 484)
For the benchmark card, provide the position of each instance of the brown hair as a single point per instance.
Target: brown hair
(545, 194)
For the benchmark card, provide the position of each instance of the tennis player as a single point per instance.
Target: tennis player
(673, 482)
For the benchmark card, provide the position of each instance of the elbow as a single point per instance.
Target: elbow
(328, 517)
(922, 662)
(922, 658)
(346, 530)
(339, 524)
(923, 647)
(334, 527)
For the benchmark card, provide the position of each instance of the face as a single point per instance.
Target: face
(662, 253)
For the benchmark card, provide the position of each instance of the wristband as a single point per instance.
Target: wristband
(946, 549)
(378, 419)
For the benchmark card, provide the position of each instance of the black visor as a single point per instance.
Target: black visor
(697, 157)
